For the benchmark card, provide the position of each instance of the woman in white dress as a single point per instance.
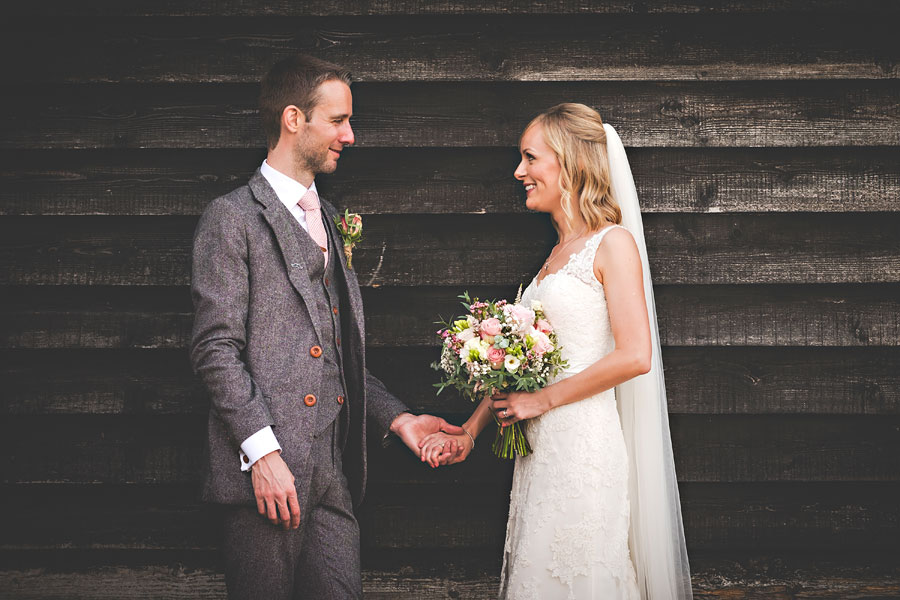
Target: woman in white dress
(594, 510)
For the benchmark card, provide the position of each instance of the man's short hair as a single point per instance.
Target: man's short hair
(294, 80)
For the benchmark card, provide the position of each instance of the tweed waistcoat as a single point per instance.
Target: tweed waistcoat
(328, 303)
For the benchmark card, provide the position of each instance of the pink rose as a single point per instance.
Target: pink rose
(523, 316)
(495, 356)
(490, 327)
(542, 343)
(543, 326)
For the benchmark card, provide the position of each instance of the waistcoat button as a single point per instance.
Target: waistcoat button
(315, 351)
(340, 399)
(309, 400)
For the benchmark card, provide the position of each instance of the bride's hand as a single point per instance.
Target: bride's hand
(519, 406)
(436, 449)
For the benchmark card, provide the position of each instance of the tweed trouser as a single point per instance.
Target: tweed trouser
(320, 560)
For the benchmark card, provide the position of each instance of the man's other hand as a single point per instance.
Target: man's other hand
(276, 496)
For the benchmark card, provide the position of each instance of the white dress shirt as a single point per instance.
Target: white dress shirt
(289, 191)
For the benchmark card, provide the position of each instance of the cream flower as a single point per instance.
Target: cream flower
(474, 349)
(511, 363)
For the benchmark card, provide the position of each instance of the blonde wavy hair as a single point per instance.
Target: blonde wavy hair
(575, 134)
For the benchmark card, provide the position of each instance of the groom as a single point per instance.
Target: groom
(279, 343)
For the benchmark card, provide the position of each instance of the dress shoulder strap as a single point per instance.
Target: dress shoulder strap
(582, 264)
(594, 242)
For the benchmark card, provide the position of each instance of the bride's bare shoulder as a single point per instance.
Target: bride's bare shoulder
(617, 250)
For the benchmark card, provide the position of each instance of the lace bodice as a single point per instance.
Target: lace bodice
(567, 535)
(575, 304)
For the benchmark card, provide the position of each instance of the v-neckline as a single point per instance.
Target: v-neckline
(540, 280)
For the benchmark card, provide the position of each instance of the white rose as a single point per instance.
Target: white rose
(474, 344)
(466, 334)
(511, 363)
(536, 305)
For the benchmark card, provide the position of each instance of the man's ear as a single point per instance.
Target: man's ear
(292, 118)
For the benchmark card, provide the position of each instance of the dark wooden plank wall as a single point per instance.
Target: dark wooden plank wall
(764, 140)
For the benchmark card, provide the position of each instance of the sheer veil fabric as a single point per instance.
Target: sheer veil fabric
(656, 535)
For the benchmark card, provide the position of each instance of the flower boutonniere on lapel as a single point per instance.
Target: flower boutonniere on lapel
(350, 227)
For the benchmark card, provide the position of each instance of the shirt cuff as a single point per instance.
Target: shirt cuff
(256, 446)
(390, 436)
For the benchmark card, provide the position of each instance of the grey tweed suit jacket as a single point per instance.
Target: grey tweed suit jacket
(254, 325)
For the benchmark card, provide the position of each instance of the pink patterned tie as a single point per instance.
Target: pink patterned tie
(313, 211)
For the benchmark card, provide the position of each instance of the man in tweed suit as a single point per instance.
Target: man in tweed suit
(279, 343)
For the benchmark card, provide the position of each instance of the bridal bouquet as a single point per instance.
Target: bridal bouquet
(498, 346)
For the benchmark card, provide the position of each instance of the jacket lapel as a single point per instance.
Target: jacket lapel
(353, 294)
(296, 262)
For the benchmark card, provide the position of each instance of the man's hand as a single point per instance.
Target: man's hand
(412, 429)
(276, 496)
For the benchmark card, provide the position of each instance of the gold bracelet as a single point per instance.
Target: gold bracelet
(470, 437)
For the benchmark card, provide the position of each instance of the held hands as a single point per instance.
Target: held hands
(276, 496)
(412, 429)
(519, 406)
(442, 449)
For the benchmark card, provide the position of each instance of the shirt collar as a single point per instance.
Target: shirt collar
(288, 189)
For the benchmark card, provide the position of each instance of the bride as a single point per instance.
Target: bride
(594, 510)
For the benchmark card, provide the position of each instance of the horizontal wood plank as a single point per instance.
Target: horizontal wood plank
(735, 518)
(55, 317)
(723, 448)
(450, 180)
(402, 250)
(177, 583)
(586, 47)
(237, 8)
(707, 380)
(412, 115)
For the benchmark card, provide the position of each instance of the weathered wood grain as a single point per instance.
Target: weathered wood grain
(449, 180)
(237, 8)
(39, 318)
(401, 250)
(461, 48)
(463, 114)
(708, 380)
(740, 518)
(722, 448)
(689, 315)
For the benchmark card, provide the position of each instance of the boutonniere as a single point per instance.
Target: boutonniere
(349, 225)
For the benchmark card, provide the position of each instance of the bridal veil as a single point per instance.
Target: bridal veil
(656, 535)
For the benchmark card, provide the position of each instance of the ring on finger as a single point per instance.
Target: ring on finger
(504, 413)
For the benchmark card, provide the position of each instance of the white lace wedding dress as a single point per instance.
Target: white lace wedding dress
(567, 534)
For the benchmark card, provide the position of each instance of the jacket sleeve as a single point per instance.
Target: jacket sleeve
(382, 406)
(220, 292)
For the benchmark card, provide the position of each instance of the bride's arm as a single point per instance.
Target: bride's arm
(618, 266)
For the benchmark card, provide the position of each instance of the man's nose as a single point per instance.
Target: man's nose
(347, 138)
